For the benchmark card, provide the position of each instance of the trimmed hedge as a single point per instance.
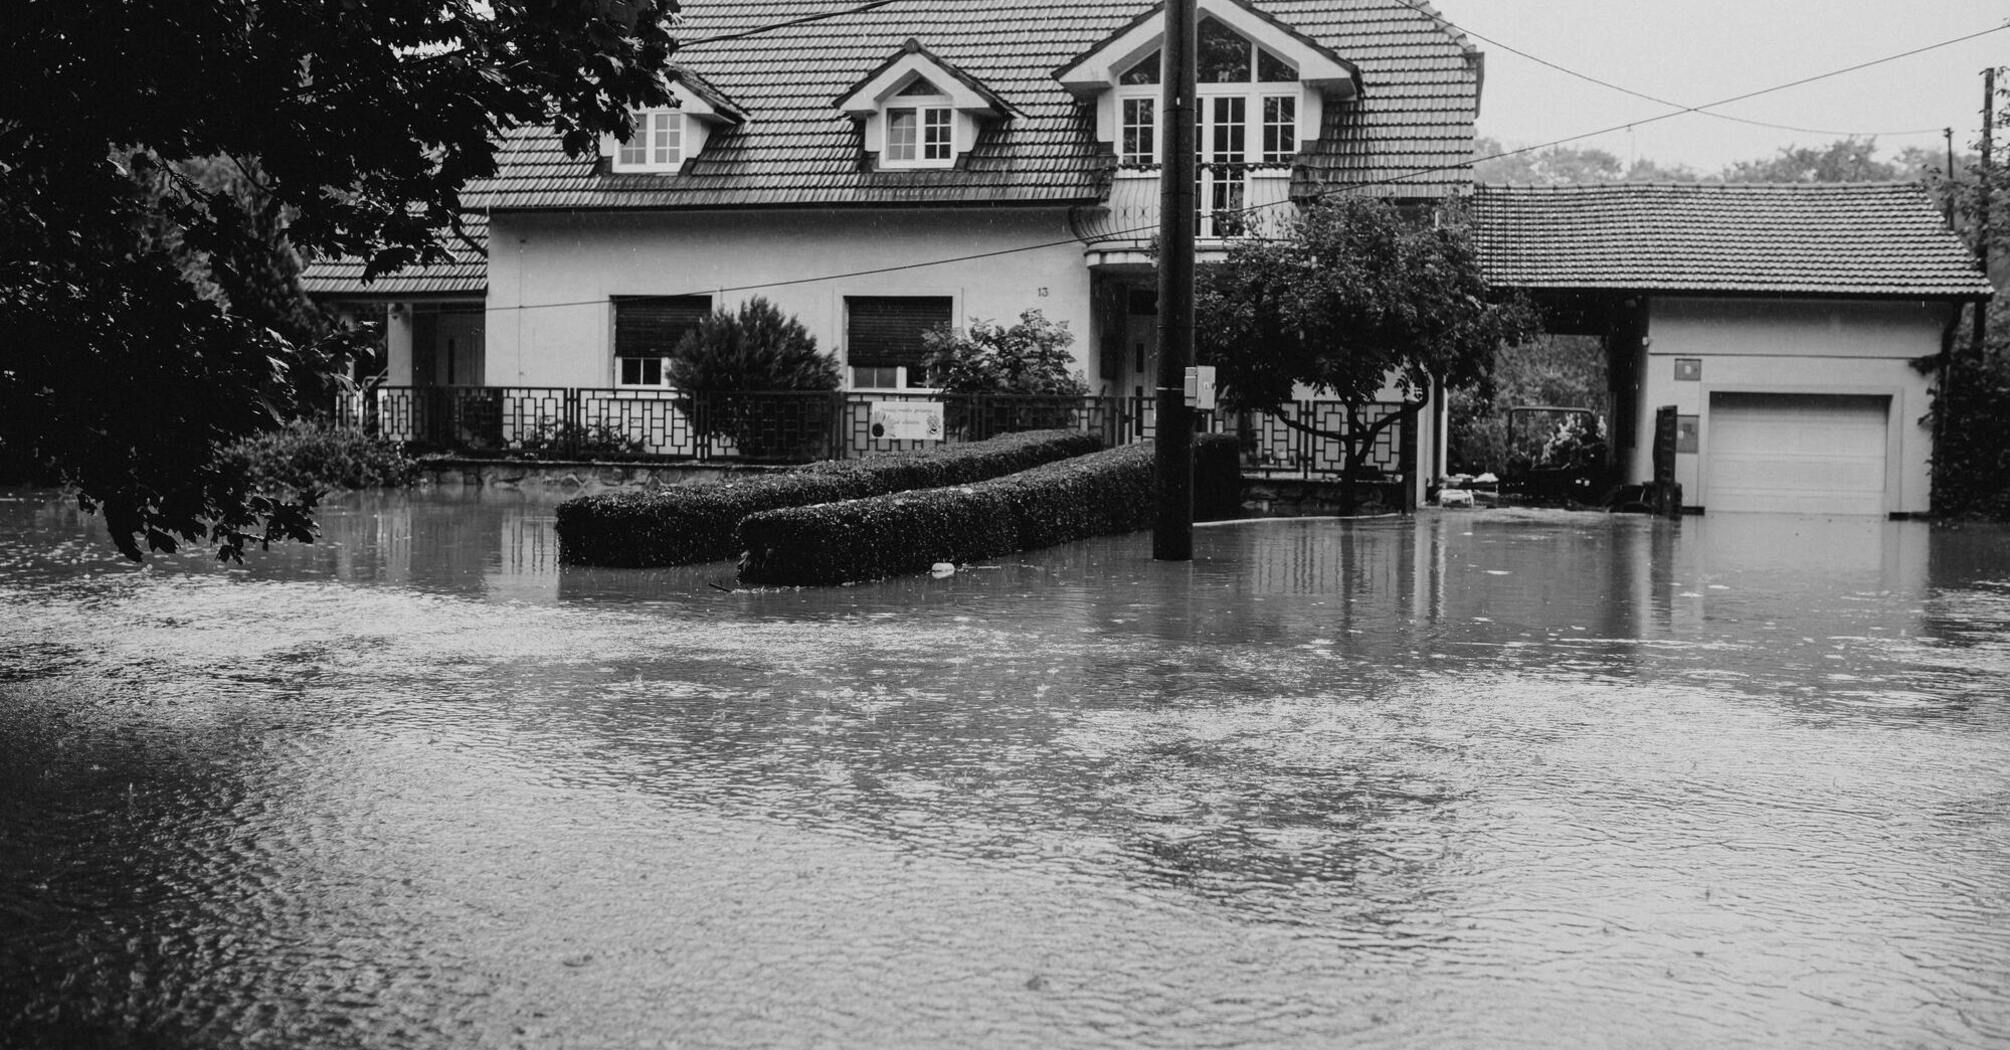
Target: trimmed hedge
(866, 539)
(687, 524)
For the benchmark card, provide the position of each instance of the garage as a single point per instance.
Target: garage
(1796, 453)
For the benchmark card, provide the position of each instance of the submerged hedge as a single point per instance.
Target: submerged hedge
(866, 539)
(686, 524)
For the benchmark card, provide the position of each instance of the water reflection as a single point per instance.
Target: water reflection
(1529, 779)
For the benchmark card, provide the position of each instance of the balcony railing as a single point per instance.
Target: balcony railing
(1234, 200)
(577, 423)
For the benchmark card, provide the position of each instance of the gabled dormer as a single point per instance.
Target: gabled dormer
(917, 110)
(667, 136)
(1262, 85)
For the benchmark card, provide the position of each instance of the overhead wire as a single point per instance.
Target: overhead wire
(742, 34)
(1328, 191)
(1624, 90)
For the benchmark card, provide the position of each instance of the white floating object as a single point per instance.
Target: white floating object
(941, 569)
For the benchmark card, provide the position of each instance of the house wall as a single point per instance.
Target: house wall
(551, 275)
(1791, 347)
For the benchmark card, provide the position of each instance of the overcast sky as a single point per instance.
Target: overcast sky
(1697, 51)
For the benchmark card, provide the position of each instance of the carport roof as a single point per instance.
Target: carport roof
(1863, 240)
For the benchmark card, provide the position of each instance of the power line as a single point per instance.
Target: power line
(1624, 90)
(772, 27)
(1329, 191)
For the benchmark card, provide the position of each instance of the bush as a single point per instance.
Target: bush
(731, 359)
(1028, 366)
(304, 457)
(866, 539)
(685, 524)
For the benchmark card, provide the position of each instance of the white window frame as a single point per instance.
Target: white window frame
(1256, 92)
(658, 142)
(931, 112)
(621, 381)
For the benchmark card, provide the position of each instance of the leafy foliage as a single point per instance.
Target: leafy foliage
(1357, 296)
(756, 347)
(309, 457)
(134, 278)
(684, 524)
(1030, 357)
(1565, 165)
(1971, 462)
(1568, 370)
(1099, 494)
(732, 369)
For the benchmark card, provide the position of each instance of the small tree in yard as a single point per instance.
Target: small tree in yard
(1027, 360)
(1356, 296)
(734, 370)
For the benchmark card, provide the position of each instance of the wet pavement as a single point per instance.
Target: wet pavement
(1466, 779)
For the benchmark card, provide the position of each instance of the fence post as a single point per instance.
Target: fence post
(840, 404)
(571, 422)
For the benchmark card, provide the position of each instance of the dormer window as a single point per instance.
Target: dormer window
(918, 110)
(1262, 88)
(657, 144)
(920, 127)
(664, 137)
(1248, 103)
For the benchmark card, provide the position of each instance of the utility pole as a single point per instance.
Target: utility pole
(1948, 184)
(1172, 534)
(1982, 226)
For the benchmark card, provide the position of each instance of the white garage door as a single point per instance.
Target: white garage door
(1796, 453)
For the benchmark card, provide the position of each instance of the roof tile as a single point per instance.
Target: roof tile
(1420, 95)
(1850, 239)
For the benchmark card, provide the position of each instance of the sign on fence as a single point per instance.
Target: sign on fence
(907, 420)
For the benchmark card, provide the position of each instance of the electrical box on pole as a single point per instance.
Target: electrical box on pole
(1172, 532)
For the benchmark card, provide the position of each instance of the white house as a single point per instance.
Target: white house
(1792, 331)
(878, 173)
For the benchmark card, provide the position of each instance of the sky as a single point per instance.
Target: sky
(1698, 51)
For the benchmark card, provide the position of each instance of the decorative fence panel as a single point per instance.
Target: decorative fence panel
(800, 426)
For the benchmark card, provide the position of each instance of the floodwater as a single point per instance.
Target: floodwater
(1500, 779)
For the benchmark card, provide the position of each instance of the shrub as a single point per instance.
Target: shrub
(865, 539)
(1030, 357)
(1028, 366)
(305, 457)
(684, 524)
(731, 366)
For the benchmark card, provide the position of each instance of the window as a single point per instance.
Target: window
(1140, 132)
(920, 136)
(1240, 122)
(1280, 128)
(646, 329)
(883, 337)
(657, 144)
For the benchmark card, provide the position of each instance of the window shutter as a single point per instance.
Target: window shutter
(651, 325)
(885, 330)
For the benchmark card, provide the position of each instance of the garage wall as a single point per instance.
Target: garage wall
(1792, 347)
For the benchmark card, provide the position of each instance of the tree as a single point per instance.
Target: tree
(1844, 160)
(1566, 165)
(123, 367)
(1355, 297)
(734, 370)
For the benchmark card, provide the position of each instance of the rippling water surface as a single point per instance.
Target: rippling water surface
(1471, 779)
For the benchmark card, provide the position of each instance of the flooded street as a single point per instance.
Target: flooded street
(1504, 779)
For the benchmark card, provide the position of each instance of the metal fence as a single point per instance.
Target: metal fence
(573, 423)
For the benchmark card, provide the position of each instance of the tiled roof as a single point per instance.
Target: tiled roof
(464, 272)
(1834, 239)
(1410, 131)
